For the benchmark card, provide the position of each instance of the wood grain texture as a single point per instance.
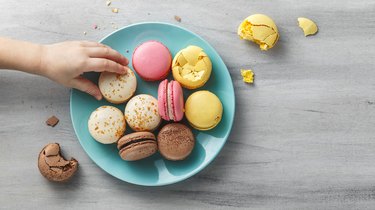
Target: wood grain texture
(303, 137)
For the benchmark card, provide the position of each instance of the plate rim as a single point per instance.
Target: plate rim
(201, 167)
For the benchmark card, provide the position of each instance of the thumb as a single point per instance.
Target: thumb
(86, 86)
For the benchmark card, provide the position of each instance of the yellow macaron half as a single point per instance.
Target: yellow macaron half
(191, 67)
(260, 29)
(203, 110)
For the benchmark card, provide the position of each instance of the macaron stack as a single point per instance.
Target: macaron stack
(152, 61)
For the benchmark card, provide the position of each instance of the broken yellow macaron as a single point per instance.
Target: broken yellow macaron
(308, 26)
(260, 29)
(191, 67)
(247, 75)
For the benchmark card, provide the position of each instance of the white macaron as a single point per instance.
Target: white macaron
(117, 88)
(107, 124)
(141, 113)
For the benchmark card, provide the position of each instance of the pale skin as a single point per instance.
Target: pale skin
(63, 62)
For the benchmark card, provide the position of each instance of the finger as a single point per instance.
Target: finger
(91, 44)
(86, 86)
(108, 53)
(102, 64)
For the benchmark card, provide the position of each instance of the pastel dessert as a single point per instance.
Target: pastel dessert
(175, 141)
(259, 29)
(107, 124)
(203, 110)
(141, 113)
(136, 146)
(308, 26)
(53, 166)
(170, 101)
(152, 61)
(117, 88)
(191, 67)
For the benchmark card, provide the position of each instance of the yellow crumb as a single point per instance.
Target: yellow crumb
(115, 10)
(247, 75)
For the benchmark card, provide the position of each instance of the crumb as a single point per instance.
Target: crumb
(115, 10)
(127, 51)
(177, 18)
(308, 26)
(94, 26)
(84, 33)
(114, 25)
(247, 75)
(108, 2)
(52, 121)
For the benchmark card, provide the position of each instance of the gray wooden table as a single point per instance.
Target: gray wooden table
(303, 136)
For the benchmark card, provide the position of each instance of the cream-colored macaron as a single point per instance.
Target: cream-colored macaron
(141, 113)
(107, 124)
(117, 88)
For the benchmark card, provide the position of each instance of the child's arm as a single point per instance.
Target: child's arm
(62, 62)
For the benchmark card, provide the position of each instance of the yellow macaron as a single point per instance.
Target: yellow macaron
(203, 110)
(191, 67)
(260, 29)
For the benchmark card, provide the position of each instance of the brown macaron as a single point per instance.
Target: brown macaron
(53, 166)
(175, 141)
(136, 146)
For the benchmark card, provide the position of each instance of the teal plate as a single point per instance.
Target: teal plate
(154, 170)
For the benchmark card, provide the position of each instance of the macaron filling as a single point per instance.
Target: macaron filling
(135, 141)
(170, 101)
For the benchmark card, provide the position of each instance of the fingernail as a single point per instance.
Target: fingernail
(98, 97)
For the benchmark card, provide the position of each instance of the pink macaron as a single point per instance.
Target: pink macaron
(152, 61)
(170, 101)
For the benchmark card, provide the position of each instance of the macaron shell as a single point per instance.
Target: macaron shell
(260, 29)
(117, 88)
(162, 100)
(203, 110)
(191, 67)
(152, 61)
(106, 124)
(177, 101)
(175, 141)
(141, 113)
(138, 151)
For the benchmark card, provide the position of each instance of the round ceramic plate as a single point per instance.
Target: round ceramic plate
(156, 171)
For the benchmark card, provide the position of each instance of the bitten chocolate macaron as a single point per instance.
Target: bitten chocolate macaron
(175, 141)
(136, 146)
(53, 166)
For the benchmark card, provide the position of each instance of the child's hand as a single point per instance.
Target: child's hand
(66, 62)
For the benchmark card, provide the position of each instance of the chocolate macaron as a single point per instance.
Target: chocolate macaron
(175, 141)
(136, 146)
(53, 166)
